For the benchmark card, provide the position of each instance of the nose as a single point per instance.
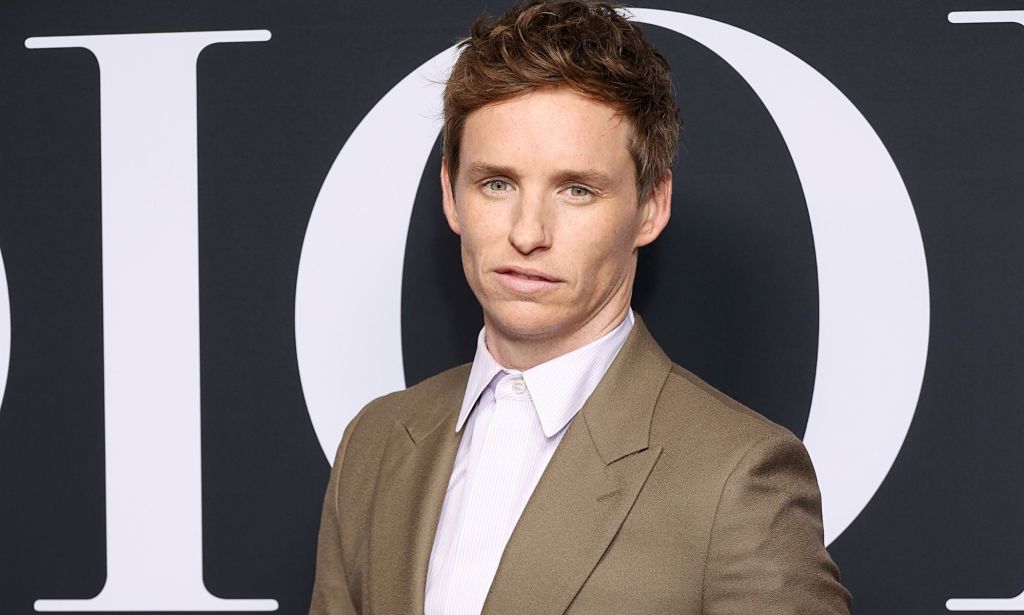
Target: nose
(530, 228)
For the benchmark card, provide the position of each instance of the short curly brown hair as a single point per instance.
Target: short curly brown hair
(587, 46)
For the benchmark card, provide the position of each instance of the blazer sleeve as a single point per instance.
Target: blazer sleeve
(331, 594)
(767, 553)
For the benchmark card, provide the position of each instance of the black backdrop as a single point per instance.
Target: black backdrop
(730, 290)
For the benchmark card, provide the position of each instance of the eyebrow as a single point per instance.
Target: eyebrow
(587, 176)
(480, 169)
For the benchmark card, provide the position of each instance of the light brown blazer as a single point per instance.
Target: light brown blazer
(664, 496)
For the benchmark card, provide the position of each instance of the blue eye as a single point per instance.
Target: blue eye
(498, 185)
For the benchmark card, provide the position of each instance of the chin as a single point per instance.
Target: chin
(530, 321)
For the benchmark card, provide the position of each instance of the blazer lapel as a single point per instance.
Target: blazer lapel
(410, 492)
(588, 488)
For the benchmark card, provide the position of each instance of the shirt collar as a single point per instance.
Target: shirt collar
(558, 387)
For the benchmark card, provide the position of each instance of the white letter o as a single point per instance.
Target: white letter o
(872, 275)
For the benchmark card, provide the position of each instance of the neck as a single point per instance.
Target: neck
(524, 352)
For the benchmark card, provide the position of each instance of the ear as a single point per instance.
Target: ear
(448, 199)
(655, 211)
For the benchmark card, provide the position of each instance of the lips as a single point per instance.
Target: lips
(525, 280)
(529, 274)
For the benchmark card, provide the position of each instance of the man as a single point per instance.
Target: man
(571, 468)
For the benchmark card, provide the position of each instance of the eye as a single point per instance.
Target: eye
(579, 192)
(498, 185)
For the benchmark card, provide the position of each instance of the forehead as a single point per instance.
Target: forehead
(546, 129)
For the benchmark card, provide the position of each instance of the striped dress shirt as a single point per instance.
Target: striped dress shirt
(513, 422)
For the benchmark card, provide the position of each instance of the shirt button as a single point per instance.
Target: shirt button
(519, 387)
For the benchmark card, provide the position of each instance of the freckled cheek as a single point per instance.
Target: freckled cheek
(476, 257)
(470, 261)
(608, 260)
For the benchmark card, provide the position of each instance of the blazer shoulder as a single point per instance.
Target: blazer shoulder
(401, 406)
(438, 385)
(691, 404)
(363, 446)
(764, 532)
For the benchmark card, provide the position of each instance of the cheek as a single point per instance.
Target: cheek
(608, 256)
(482, 231)
(471, 269)
(476, 241)
(469, 257)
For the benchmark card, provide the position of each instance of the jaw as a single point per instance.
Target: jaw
(525, 320)
(529, 332)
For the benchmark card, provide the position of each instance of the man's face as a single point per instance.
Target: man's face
(545, 203)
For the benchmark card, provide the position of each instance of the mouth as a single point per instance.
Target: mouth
(526, 274)
(525, 281)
